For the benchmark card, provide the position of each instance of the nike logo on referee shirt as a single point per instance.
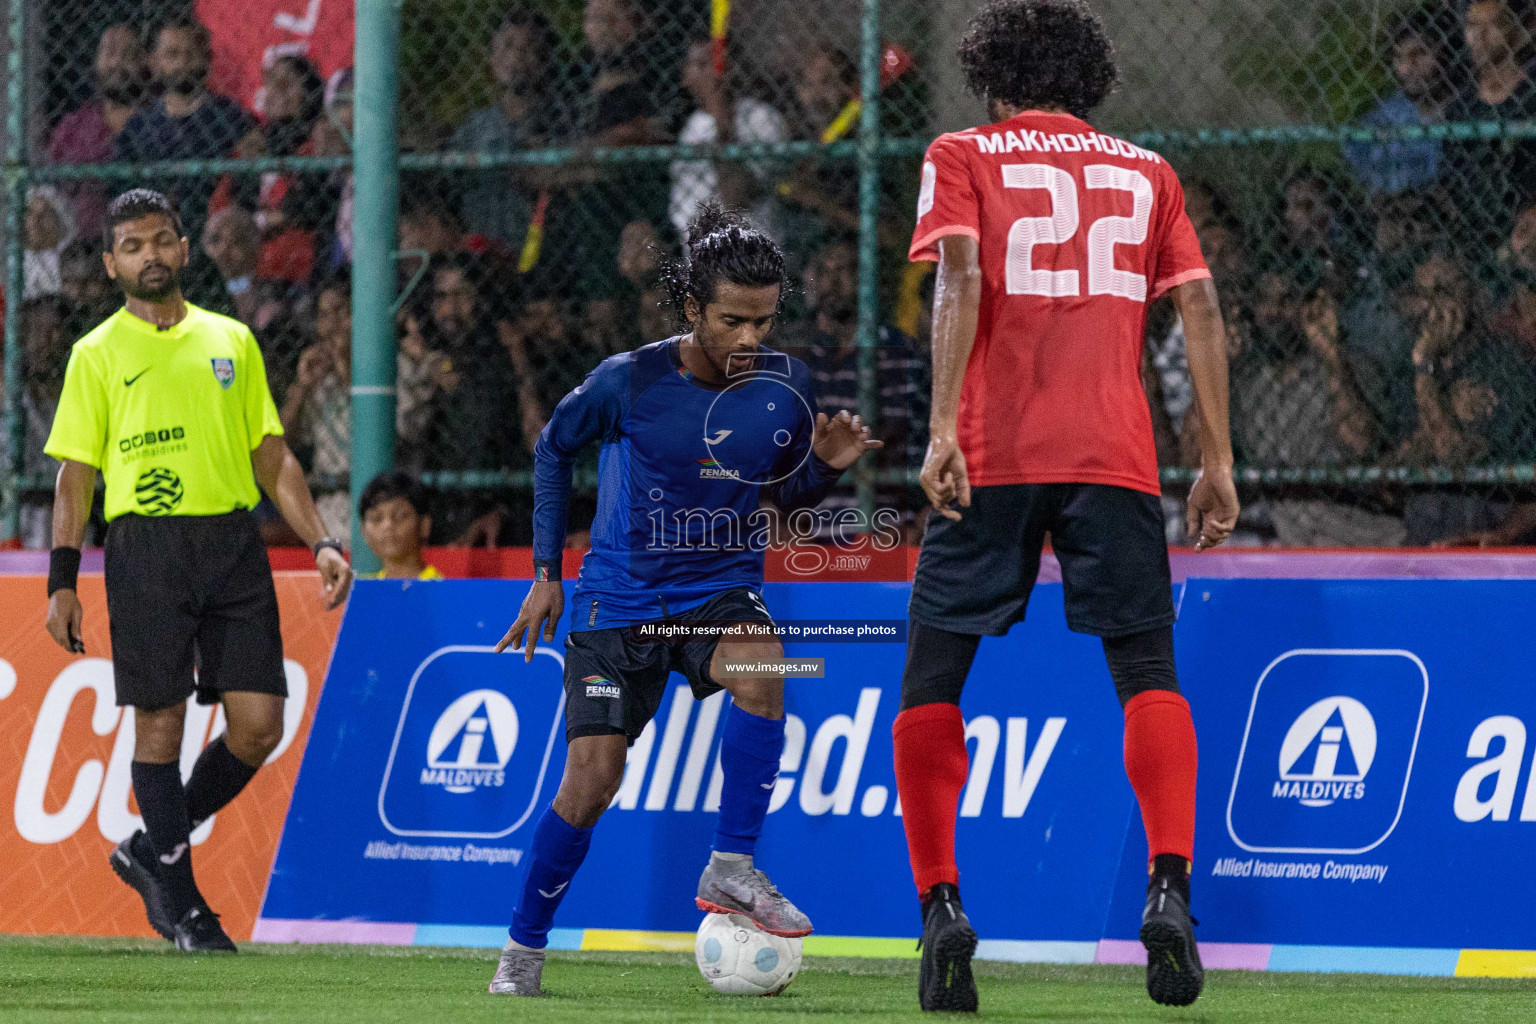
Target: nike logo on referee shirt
(128, 381)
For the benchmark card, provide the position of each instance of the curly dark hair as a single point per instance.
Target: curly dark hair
(722, 246)
(1039, 53)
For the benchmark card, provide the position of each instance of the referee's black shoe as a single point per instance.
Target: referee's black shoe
(199, 931)
(944, 980)
(142, 877)
(1174, 974)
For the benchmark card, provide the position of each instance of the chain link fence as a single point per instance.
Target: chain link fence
(1360, 174)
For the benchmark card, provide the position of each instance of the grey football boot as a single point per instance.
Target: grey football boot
(518, 972)
(736, 887)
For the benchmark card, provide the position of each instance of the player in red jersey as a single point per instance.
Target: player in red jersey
(1051, 238)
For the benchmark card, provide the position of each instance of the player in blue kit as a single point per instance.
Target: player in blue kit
(697, 432)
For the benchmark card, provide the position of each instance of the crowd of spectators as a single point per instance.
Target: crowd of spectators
(1379, 314)
(1381, 308)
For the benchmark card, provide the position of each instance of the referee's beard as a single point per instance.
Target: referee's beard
(156, 283)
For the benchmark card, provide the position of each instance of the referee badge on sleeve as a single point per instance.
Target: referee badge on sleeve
(224, 370)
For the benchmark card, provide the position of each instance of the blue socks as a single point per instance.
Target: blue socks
(749, 762)
(556, 854)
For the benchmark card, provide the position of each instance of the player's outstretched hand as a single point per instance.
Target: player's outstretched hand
(840, 440)
(540, 613)
(64, 618)
(335, 577)
(1213, 508)
(944, 477)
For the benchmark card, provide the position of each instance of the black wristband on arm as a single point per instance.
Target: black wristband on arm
(63, 569)
(546, 571)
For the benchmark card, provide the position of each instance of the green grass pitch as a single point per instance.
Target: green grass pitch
(73, 981)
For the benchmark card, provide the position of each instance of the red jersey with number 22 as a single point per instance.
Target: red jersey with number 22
(1077, 231)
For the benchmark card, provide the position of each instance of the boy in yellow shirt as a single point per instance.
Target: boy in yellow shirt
(396, 525)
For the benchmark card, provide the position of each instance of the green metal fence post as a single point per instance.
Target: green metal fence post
(869, 241)
(15, 202)
(376, 188)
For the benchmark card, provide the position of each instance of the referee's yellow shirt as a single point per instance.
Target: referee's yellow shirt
(169, 417)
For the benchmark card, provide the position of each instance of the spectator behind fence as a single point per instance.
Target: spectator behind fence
(47, 232)
(396, 524)
(721, 116)
(1423, 53)
(1295, 406)
(88, 134)
(479, 431)
(317, 409)
(187, 121)
(527, 113)
(425, 385)
(828, 344)
(291, 206)
(85, 286)
(1475, 400)
(232, 240)
(1493, 174)
(643, 307)
(1224, 245)
(818, 197)
(1515, 320)
(1377, 333)
(45, 351)
(618, 108)
(1317, 241)
(427, 224)
(333, 137)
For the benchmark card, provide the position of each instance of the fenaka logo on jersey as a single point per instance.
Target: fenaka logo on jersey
(711, 469)
(600, 686)
(158, 491)
(1328, 752)
(471, 743)
(224, 372)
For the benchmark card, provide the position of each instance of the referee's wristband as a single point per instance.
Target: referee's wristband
(546, 572)
(63, 569)
(328, 542)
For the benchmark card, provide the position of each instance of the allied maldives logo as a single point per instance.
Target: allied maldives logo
(1327, 755)
(473, 746)
(471, 743)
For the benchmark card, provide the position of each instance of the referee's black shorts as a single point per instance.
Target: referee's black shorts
(975, 575)
(187, 592)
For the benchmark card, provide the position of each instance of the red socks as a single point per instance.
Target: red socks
(1160, 760)
(931, 769)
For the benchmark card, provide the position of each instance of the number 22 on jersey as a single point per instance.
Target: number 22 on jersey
(1104, 278)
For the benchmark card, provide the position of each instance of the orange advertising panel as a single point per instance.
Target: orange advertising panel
(65, 756)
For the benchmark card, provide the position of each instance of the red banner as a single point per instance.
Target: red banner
(248, 35)
(65, 752)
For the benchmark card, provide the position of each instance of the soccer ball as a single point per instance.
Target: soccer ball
(740, 959)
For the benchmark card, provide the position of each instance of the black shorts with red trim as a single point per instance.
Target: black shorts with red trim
(975, 575)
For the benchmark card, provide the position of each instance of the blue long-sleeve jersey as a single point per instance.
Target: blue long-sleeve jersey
(682, 472)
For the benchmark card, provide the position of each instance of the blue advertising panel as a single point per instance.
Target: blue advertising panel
(431, 757)
(1364, 770)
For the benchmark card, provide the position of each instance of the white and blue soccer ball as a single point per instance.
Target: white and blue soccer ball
(740, 959)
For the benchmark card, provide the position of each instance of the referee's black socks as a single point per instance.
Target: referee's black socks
(218, 778)
(163, 805)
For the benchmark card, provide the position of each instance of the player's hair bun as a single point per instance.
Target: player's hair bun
(711, 218)
(722, 245)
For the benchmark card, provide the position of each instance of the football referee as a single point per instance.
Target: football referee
(170, 402)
